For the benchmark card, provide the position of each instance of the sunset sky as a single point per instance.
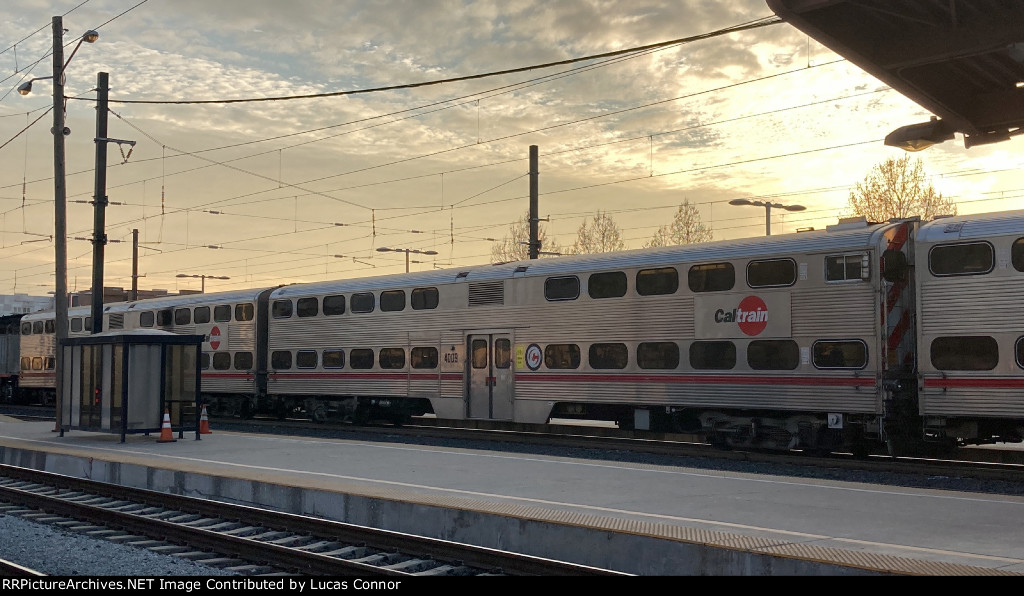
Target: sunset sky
(297, 190)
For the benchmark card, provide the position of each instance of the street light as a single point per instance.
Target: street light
(60, 297)
(407, 251)
(204, 278)
(767, 210)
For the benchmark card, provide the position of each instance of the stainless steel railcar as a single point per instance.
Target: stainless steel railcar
(37, 381)
(10, 356)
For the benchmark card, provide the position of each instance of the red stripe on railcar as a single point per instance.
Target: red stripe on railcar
(986, 383)
(349, 376)
(701, 379)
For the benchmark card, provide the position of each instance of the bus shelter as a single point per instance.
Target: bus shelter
(123, 382)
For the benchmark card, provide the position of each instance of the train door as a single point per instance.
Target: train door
(491, 376)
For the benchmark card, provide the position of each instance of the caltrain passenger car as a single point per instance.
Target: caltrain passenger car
(37, 346)
(10, 356)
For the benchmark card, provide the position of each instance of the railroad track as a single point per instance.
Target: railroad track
(252, 541)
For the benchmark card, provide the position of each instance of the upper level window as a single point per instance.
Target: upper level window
(979, 352)
(307, 307)
(243, 312)
(76, 323)
(711, 277)
(562, 288)
(201, 314)
(771, 273)
(773, 354)
(608, 356)
(843, 267)
(26, 328)
(334, 305)
(562, 356)
(51, 327)
(222, 313)
(655, 282)
(392, 300)
(281, 309)
(424, 299)
(607, 285)
(840, 354)
(974, 258)
(163, 317)
(1017, 254)
(182, 316)
(362, 302)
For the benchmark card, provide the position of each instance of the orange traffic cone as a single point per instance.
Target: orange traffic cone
(204, 423)
(166, 436)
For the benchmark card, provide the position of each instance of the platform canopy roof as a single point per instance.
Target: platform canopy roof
(963, 60)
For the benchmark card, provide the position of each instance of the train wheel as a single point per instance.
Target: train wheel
(319, 414)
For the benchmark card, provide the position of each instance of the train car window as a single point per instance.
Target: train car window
(334, 358)
(502, 353)
(221, 360)
(26, 328)
(391, 358)
(50, 326)
(843, 267)
(26, 363)
(362, 302)
(51, 363)
(360, 358)
(773, 354)
(37, 363)
(771, 273)
(1017, 254)
(163, 318)
(608, 356)
(201, 315)
(37, 327)
(975, 258)
(840, 354)
(562, 356)
(204, 361)
(424, 299)
(713, 355)
(1020, 352)
(88, 323)
(711, 277)
(222, 313)
(182, 316)
(281, 359)
(607, 285)
(146, 319)
(305, 359)
(281, 309)
(307, 307)
(334, 305)
(243, 360)
(76, 323)
(392, 300)
(479, 350)
(562, 288)
(243, 312)
(654, 282)
(964, 352)
(657, 355)
(423, 358)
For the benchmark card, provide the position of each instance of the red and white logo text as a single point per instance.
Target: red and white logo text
(751, 315)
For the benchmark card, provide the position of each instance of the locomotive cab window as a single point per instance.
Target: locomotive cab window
(307, 307)
(974, 258)
(243, 312)
(713, 355)
(840, 354)
(201, 315)
(1017, 254)
(565, 356)
(771, 273)
(845, 267)
(222, 313)
(26, 328)
(281, 359)
(362, 302)
(164, 317)
(334, 358)
(656, 282)
(608, 356)
(334, 305)
(392, 300)
(423, 358)
(773, 354)
(424, 299)
(607, 285)
(282, 309)
(979, 352)
(360, 358)
(712, 277)
(562, 288)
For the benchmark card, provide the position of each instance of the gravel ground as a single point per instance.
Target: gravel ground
(59, 552)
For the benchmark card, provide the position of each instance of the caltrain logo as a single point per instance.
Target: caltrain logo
(214, 338)
(751, 315)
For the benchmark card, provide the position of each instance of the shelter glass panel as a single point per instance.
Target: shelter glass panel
(392, 358)
(201, 315)
(425, 299)
(658, 355)
(562, 288)
(562, 356)
(607, 285)
(334, 359)
(424, 357)
(771, 273)
(334, 305)
(711, 277)
(979, 352)
(713, 355)
(608, 356)
(362, 302)
(773, 354)
(281, 309)
(222, 313)
(243, 360)
(840, 354)
(392, 300)
(361, 358)
(307, 307)
(974, 258)
(281, 359)
(655, 282)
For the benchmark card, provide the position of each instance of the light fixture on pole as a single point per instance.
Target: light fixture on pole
(60, 294)
(915, 137)
(204, 278)
(407, 251)
(767, 210)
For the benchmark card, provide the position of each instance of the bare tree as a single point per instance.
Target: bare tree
(897, 188)
(686, 228)
(516, 245)
(600, 235)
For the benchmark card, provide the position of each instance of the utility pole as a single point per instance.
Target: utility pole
(135, 264)
(534, 199)
(99, 235)
(60, 294)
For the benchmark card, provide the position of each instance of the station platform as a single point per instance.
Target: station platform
(632, 517)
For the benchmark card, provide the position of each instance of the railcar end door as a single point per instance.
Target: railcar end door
(491, 376)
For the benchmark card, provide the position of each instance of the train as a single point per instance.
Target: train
(863, 337)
